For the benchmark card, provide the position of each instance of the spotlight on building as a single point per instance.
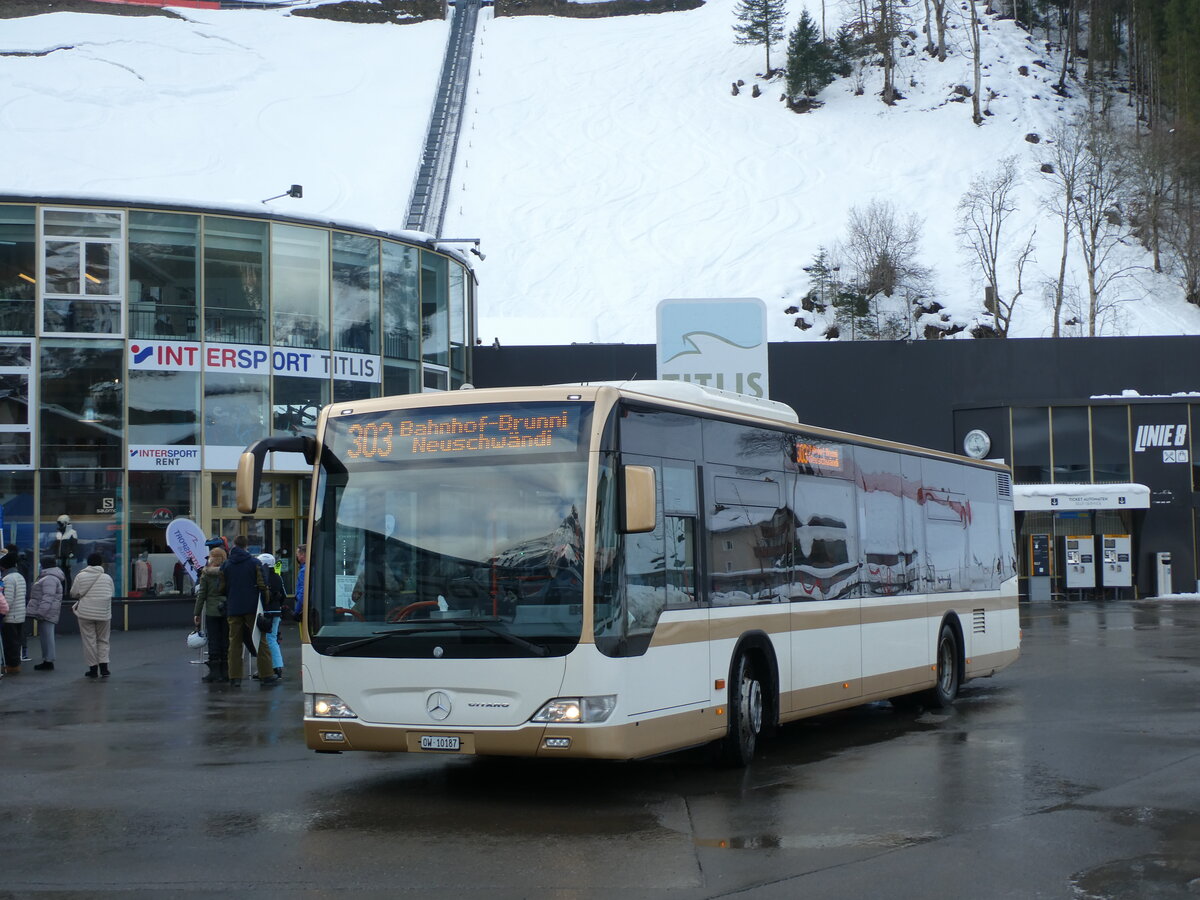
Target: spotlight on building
(296, 190)
(474, 242)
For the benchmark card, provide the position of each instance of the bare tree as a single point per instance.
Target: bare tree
(939, 21)
(1150, 182)
(1181, 231)
(1068, 42)
(1064, 170)
(983, 212)
(889, 23)
(1096, 212)
(1182, 235)
(886, 43)
(973, 32)
(881, 252)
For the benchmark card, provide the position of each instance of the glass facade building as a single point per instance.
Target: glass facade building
(143, 347)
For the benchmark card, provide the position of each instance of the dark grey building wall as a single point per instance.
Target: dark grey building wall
(895, 390)
(930, 393)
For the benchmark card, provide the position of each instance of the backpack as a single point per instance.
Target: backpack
(275, 595)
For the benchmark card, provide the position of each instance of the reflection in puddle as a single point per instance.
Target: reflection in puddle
(815, 841)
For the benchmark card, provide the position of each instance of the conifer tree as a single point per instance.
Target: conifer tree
(846, 48)
(809, 60)
(760, 22)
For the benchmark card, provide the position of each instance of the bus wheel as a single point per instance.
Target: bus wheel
(948, 677)
(745, 714)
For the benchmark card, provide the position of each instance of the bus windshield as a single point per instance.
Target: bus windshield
(452, 531)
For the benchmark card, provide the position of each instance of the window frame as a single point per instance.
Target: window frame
(118, 277)
(29, 428)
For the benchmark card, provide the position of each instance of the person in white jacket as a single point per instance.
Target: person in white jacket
(92, 590)
(13, 629)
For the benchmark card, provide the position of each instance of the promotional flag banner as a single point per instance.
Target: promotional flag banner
(186, 540)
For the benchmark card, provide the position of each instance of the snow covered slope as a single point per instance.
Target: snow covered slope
(606, 164)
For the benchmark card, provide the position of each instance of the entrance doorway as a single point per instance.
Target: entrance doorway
(276, 528)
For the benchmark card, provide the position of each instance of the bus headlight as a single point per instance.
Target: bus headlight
(577, 709)
(327, 706)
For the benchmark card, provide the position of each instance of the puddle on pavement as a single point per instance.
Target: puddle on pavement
(1172, 871)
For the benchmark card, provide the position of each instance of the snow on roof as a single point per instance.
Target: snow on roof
(1130, 394)
(1056, 497)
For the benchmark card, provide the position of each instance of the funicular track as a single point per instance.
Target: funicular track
(430, 193)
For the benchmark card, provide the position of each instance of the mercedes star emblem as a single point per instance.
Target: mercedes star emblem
(437, 705)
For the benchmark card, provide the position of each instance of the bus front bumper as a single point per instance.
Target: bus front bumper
(623, 741)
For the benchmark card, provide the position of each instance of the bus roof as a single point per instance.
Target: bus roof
(703, 395)
(698, 398)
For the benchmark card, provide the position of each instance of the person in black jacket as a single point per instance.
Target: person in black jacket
(268, 642)
(245, 591)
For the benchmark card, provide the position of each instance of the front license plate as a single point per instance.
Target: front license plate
(439, 742)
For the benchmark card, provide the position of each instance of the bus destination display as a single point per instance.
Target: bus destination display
(457, 432)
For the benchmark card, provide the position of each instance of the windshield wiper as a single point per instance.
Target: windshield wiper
(362, 642)
(535, 649)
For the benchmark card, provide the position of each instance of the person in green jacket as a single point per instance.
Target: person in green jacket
(210, 602)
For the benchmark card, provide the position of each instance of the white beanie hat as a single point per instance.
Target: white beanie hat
(266, 559)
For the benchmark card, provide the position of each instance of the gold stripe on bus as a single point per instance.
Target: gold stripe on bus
(805, 702)
(725, 628)
(899, 612)
(784, 618)
(986, 663)
(672, 634)
(892, 684)
(806, 617)
(801, 703)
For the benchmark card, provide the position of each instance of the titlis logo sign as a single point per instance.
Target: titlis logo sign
(1172, 438)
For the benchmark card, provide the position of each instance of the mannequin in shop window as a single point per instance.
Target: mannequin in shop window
(141, 575)
(65, 545)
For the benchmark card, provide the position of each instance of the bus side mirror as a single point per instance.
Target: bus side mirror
(250, 466)
(249, 477)
(640, 512)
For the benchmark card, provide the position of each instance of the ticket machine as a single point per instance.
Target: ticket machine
(1040, 570)
(1116, 560)
(1079, 562)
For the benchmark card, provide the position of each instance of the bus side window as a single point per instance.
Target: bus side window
(680, 559)
(645, 580)
(680, 506)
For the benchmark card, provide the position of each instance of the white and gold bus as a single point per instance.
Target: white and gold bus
(622, 570)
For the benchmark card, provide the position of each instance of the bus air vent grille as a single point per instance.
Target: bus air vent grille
(1003, 484)
(979, 625)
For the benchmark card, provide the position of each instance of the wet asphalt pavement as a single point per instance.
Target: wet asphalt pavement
(1074, 774)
